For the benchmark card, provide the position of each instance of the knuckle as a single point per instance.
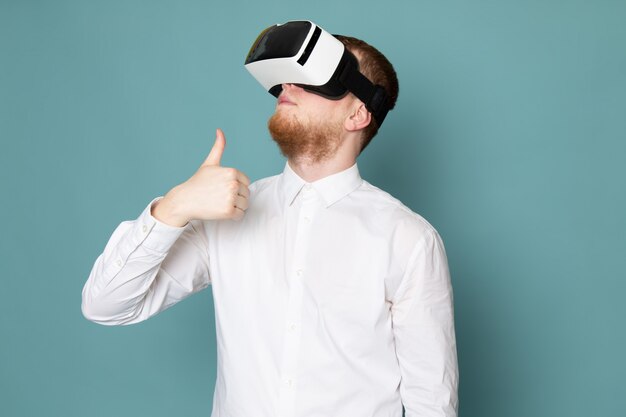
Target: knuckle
(231, 173)
(233, 186)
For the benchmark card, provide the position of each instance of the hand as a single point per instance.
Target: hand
(213, 192)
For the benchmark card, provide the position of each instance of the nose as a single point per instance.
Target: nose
(289, 86)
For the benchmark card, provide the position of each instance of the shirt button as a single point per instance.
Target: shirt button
(292, 327)
(307, 219)
(144, 229)
(299, 272)
(118, 262)
(289, 383)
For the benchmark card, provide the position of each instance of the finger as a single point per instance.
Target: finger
(238, 214)
(243, 178)
(241, 203)
(215, 156)
(243, 191)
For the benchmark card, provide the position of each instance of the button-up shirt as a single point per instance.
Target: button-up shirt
(332, 299)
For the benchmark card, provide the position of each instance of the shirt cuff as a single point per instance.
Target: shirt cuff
(154, 234)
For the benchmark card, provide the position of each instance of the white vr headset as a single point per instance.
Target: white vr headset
(302, 53)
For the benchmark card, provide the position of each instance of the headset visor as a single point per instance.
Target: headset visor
(304, 54)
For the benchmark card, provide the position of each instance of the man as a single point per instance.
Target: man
(331, 297)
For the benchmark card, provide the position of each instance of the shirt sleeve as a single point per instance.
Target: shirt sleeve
(423, 326)
(146, 267)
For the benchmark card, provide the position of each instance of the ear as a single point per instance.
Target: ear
(359, 118)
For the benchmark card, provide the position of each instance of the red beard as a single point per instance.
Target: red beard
(313, 143)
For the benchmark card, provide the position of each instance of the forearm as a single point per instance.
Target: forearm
(139, 274)
(423, 323)
(428, 362)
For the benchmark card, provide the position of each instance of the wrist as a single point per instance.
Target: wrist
(165, 211)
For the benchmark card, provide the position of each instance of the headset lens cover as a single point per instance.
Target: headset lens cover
(279, 41)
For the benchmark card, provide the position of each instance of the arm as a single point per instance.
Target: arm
(423, 325)
(146, 267)
(161, 257)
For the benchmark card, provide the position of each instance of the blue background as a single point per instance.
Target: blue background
(509, 137)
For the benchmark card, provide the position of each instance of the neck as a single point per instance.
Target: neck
(343, 158)
(311, 172)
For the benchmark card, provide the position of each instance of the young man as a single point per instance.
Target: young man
(331, 297)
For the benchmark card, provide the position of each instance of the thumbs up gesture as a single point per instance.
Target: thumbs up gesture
(213, 192)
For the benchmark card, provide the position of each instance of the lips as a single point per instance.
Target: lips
(282, 99)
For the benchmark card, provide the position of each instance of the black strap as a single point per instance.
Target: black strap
(374, 96)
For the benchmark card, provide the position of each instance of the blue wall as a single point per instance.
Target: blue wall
(509, 137)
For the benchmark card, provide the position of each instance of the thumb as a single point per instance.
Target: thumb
(218, 149)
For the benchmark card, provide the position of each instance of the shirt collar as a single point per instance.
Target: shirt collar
(331, 188)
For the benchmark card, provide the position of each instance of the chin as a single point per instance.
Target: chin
(298, 140)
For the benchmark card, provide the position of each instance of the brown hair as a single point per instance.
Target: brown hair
(378, 69)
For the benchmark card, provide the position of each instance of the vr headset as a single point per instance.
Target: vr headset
(302, 53)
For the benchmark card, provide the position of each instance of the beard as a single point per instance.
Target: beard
(310, 143)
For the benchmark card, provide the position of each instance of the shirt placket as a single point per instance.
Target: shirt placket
(297, 273)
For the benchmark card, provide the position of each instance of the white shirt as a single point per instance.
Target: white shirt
(332, 299)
